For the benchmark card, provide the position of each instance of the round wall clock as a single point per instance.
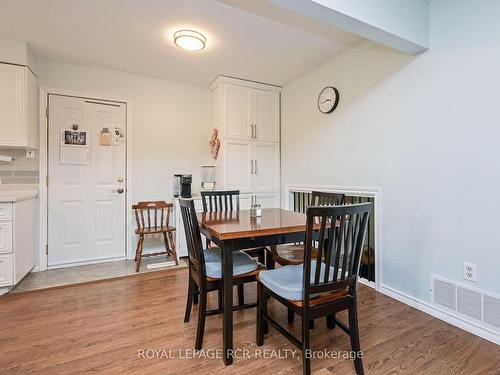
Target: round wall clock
(328, 99)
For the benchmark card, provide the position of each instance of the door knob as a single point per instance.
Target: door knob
(120, 190)
(120, 179)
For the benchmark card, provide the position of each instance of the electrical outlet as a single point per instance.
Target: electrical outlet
(470, 271)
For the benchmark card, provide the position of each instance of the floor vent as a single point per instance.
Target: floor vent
(466, 301)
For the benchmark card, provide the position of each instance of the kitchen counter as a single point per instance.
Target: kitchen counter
(16, 196)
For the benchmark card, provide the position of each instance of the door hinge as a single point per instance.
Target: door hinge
(47, 249)
(47, 181)
(47, 112)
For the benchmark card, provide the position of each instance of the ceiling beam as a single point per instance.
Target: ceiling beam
(400, 24)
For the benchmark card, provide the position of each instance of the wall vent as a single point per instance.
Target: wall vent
(445, 294)
(466, 302)
(491, 312)
(469, 302)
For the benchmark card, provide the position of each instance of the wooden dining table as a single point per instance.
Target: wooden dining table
(237, 230)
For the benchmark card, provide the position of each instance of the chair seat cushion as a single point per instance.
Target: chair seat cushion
(287, 281)
(242, 263)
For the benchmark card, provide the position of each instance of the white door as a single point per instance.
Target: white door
(267, 167)
(267, 111)
(238, 165)
(86, 193)
(238, 102)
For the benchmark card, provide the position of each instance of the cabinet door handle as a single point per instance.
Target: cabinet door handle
(255, 166)
(255, 131)
(251, 166)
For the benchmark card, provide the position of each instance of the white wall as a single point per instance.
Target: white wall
(171, 122)
(423, 129)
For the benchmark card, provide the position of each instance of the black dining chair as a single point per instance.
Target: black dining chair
(323, 285)
(294, 253)
(291, 254)
(205, 271)
(223, 201)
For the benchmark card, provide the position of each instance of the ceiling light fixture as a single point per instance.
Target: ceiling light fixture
(190, 40)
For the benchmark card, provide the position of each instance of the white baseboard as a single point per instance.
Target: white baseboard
(441, 314)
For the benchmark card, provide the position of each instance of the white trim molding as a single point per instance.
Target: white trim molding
(442, 314)
(43, 126)
(368, 192)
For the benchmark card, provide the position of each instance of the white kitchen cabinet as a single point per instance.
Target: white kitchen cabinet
(247, 115)
(266, 169)
(18, 107)
(18, 213)
(5, 236)
(238, 117)
(237, 156)
(266, 115)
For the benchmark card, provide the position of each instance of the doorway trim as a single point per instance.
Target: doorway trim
(42, 263)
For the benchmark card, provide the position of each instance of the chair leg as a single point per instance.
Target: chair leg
(262, 257)
(291, 316)
(355, 346)
(306, 359)
(170, 244)
(330, 321)
(138, 253)
(260, 321)
(202, 314)
(220, 299)
(196, 293)
(241, 295)
(189, 302)
(270, 263)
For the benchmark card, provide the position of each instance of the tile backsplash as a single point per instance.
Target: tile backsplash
(21, 174)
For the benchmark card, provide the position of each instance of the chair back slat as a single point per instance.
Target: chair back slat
(341, 231)
(146, 214)
(321, 198)
(319, 257)
(193, 236)
(214, 201)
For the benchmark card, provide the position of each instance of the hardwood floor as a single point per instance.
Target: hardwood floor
(108, 327)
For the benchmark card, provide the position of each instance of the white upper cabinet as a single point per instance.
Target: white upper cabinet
(266, 115)
(238, 119)
(246, 110)
(18, 107)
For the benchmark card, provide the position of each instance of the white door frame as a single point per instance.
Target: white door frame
(43, 159)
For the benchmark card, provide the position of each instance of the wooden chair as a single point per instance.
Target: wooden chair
(205, 271)
(294, 253)
(229, 200)
(154, 218)
(322, 285)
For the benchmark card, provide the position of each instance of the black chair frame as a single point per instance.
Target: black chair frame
(342, 229)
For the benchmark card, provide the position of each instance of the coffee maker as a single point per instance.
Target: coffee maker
(182, 185)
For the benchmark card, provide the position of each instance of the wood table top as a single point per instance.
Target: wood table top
(227, 225)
